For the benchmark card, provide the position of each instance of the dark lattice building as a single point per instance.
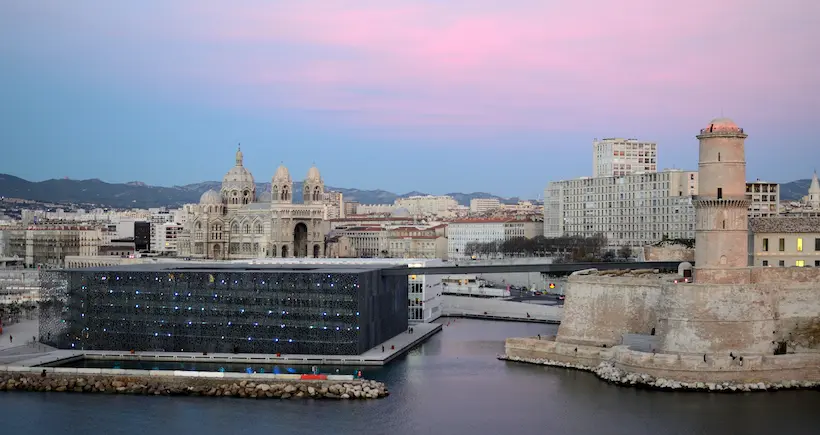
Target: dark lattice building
(288, 309)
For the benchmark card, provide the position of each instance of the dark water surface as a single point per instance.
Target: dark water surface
(451, 385)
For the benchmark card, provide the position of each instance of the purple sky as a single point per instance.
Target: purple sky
(437, 96)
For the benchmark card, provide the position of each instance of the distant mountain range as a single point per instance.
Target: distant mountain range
(137, 194)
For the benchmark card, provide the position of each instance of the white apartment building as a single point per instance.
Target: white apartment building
(164, 237)
(365, 209)
(633, 210)
(334, 205)
(764, 197)
(615, 157)
(427, 205)
(464, 231)
(480, 205)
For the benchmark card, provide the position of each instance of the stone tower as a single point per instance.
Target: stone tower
(721, 228)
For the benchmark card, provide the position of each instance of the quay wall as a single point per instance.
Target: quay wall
(179, 383)
(679, 367)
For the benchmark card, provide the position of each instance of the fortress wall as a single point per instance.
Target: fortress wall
(707, 318)
(682, 368)
(740, 275)
(763, 275)
(798, 317)
(668, 253)
(598, 310)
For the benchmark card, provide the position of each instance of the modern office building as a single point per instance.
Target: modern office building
(632, 210)
(225, 307)
(480, 205)
(616, 157)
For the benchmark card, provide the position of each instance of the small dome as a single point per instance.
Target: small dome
(282, 173)
(722, 124)
(401, 212)
(313, 174)
(210, 197)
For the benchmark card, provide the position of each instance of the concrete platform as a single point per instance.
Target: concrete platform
(505, 318)
(393, 348)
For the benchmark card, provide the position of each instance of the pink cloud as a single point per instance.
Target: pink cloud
(475, 63)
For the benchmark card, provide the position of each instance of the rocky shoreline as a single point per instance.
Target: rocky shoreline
(166, 386)
(608, 372)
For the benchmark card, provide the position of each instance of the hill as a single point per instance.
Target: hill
(135, 194)
(794, 190)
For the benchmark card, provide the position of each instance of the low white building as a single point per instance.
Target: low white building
(462, 232)
(427, 205)
(480, 205)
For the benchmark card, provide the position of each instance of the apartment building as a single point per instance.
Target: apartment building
(481, 205)
(334, 205)
(764, 197)
(633, 210)
(165, 236)
(48, 245)
(464, 231)
(413, 242)
(427, 205)
(616, 157)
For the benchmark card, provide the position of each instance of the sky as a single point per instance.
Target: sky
(433, 96)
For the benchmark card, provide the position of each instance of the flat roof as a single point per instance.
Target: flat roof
(235, 267)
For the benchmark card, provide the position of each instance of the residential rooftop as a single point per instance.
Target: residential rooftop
(785, 224)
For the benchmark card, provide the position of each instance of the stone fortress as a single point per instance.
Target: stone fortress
(728, 327)
(236, 223)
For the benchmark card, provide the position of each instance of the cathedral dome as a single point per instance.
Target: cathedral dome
(722, 124)
(239, 177)
(313, 174)
(282, 173)
(210, 197)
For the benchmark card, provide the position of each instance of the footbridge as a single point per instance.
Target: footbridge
(552, 269)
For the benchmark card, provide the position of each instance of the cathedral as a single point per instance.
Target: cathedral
(236, 223)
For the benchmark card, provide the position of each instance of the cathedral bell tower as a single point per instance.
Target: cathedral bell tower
(721, 207)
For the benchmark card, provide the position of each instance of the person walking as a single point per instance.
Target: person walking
(11, 339)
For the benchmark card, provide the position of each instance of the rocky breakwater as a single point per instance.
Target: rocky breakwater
(608, 372)
(170, 386)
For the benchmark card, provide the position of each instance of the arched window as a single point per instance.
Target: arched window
(246, 228)
(274, 192)
(317, 194)
(235, 228)
(257, 228)
(199, 225)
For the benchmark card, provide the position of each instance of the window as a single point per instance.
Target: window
(799, 244)
(817, 244)
(781, 263)
(799, 263)
(765, 262)
(765, 245)
(816, 263)
(718, 156)
(781, 245)
(720, 193)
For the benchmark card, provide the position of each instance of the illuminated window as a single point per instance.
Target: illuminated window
(799, 244)
(799, 263)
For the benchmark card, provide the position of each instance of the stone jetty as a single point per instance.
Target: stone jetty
(357, 389)
(608, 372)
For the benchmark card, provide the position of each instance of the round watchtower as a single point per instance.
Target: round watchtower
(721, 229)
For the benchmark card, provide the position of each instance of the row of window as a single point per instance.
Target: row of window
(798, 263)
(781, 244)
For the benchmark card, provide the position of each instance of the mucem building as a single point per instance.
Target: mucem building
(317, 309)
